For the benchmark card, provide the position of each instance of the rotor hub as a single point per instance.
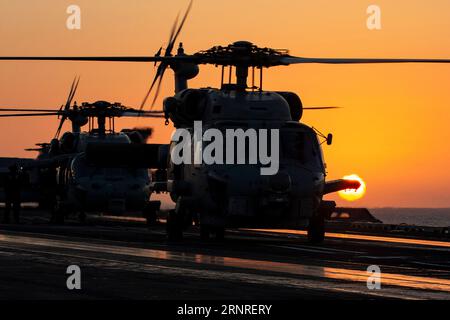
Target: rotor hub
(242, 53)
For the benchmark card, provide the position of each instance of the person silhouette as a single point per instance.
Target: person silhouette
(13, 188)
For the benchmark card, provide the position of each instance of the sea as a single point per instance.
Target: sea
(429, 217)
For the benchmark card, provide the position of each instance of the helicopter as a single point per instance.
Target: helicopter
(221, 195)
(71, 179)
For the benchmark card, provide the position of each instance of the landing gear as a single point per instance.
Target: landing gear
(316, 229)
(150, 211)
(174, 226)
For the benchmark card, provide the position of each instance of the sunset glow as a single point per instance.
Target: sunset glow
(390, 115)
(351, 194)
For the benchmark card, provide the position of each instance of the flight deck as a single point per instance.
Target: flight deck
(121, 258)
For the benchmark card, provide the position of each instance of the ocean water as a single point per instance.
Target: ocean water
(414, 216)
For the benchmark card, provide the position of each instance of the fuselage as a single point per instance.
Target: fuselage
(238, 194)
(89, 187)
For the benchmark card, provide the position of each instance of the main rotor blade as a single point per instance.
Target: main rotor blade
(142, 115)
(172, 32)
(61, 123)
(161, 66)
(158, 88)
(296, 60)
(33, 149)
(159, 72)
(136, 111)
(28, 115)
(71, 90)
(174, 40)
(320, 108)
(101, 59)
(167, 59)
(26, 110)
(72, 93)
(168, 54)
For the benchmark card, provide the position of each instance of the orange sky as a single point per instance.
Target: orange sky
(393, 129)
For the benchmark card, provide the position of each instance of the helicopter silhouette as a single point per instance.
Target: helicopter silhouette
(217, 196)
(67, 175)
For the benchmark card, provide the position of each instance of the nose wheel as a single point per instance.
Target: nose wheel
(150, 212)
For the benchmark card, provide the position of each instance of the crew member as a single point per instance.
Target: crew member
(13, 184)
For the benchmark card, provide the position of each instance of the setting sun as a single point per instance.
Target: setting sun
(351, 194)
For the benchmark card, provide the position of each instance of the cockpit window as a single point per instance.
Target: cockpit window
(293, 144)
(81, 169)
(302, 146)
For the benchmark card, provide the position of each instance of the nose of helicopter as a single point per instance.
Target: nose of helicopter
(115, 197)
(293, 194)
(280, 182)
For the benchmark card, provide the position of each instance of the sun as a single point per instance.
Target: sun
(350, 194)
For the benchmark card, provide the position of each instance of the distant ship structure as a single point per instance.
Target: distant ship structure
(352, 215)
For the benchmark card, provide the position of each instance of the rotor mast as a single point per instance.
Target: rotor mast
(241, 55)
(101, 122)
(241, 77)
(76, 125)
(183, 71)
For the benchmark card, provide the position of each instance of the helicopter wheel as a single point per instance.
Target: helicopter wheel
(174, 226)
(316, 229)
(150, 211)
